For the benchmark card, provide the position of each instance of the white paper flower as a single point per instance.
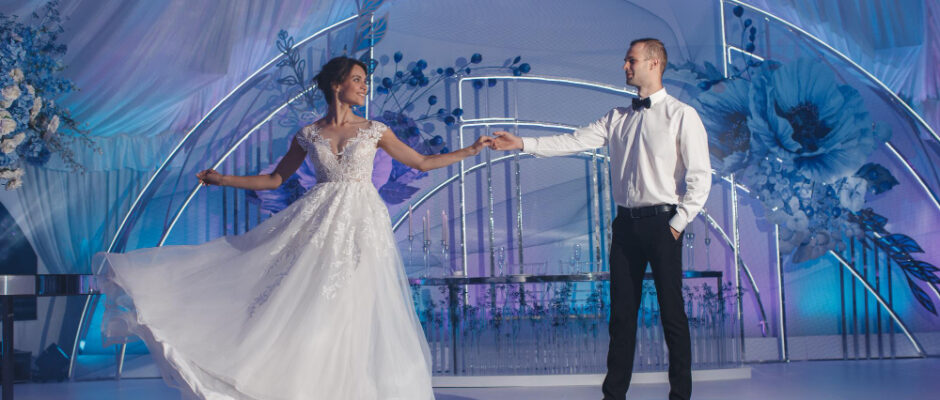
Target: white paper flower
(17, 75)
(14, 184)
(9, 144)
(10, 173)
(7, 123)
(852, 193)
(34, 111)
(10, 94)
(52, 126)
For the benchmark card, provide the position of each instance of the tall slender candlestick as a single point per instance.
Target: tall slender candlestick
(427, 229)
(410, 225)
(444, 225)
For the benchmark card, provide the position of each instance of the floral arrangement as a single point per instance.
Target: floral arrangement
(31, 123)
(798, 140)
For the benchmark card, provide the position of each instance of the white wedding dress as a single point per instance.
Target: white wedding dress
(313, 303)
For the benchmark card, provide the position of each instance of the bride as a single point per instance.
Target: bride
(313, 303)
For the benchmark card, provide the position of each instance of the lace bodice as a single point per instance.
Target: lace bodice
(354, 161)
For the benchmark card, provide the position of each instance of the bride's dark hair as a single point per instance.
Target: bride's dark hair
(334, 72)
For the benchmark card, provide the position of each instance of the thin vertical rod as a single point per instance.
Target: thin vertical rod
(781, 300)
(518, 173)
(845, 338)
(737, 262)
(724, 41)
(867, 317)
(891, 330)
(854, 303)
(874, 255)
(490, 211)
(608, 211)
(596, 214)
(371, 57)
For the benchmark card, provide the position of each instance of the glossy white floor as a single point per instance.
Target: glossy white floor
(856, 380)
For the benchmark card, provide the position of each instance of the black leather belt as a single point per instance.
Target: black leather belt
(648, 211)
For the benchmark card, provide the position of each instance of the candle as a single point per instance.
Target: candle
(427, 229)
(410, 225)
(444, 226)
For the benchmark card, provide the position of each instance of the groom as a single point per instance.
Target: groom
(661, 176)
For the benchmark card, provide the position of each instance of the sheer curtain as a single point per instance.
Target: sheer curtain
(68, 216)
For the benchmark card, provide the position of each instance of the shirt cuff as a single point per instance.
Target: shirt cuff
(678, 223)
(530, 145)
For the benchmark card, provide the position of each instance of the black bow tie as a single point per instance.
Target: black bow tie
(645, 103)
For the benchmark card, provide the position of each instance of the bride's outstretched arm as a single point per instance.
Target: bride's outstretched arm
(408, 156)
(285, 168)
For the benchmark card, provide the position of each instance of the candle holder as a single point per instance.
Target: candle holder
(500, 260)
(411, 256)
(445, 257)
(427, 258)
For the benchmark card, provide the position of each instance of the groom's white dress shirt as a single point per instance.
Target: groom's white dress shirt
(657, 155)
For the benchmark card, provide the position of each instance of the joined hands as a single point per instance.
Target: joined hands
(505, 141)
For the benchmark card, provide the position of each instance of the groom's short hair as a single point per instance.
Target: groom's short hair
(654, 49)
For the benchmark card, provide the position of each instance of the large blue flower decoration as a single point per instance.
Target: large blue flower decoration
(725, 110)
(801, 114)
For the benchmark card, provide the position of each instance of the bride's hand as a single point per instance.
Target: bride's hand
(210, 177)
(482, 141)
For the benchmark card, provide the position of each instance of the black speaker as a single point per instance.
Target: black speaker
(53, 364)
(21, 370)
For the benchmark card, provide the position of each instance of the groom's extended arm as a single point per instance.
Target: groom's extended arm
(589, 137)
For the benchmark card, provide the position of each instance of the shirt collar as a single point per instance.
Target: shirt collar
(657, 96)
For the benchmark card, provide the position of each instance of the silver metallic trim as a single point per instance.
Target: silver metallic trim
(781, 299)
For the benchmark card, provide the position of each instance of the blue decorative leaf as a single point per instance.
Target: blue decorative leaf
(922, 297)
(879, 178)
(370, 34)
(369, 6)
(925, 276)
(901, 242)
(872, 220)
(396, 193)
(921, 270)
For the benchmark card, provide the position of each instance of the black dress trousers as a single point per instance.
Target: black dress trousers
(636, 242)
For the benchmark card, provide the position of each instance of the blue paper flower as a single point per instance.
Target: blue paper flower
(725, 110)
(801, 114)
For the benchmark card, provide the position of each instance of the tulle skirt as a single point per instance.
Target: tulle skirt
(313, 303)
